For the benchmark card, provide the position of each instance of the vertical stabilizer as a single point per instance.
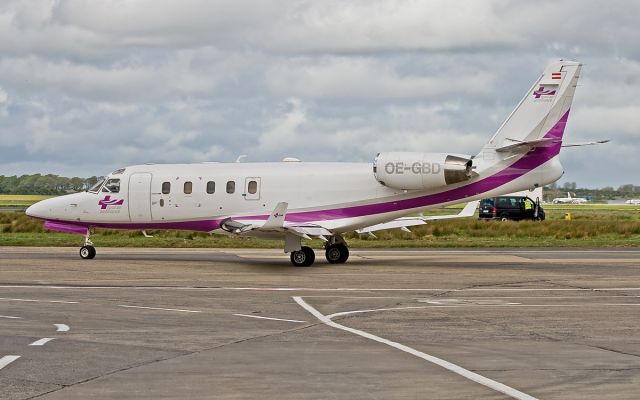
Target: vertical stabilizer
(543, 111)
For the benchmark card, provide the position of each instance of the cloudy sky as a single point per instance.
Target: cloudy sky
(89, 86)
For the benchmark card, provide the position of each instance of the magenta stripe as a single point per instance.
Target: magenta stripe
(65, 227)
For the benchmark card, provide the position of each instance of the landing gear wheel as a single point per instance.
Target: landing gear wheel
(87, 252)
(303, 257)
(337, 253)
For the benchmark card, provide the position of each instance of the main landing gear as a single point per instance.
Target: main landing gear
(303, 257)
(87, 251)
(336, 252)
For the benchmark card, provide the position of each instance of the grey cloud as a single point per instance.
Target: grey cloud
(86, 86)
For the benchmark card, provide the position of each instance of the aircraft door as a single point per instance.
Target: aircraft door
(252, 188)
(140, 197)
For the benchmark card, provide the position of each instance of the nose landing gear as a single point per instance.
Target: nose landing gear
(87, 251)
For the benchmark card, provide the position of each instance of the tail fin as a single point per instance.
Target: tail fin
(543, 112)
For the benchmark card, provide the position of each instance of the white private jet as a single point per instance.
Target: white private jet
(569, 200)
(293, 200)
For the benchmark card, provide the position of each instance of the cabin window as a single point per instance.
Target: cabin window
(211, 187)
(231, 187)
(166, 187)
(188, 187)
(253, 187)
(112, 186)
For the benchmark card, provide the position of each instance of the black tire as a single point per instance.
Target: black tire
(337, 253)
(504, 217)
(303, 257)
(87, 252)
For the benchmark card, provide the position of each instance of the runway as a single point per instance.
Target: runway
(389, 324)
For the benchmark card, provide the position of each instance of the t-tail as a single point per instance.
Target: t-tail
(534, 130)
(544, 110)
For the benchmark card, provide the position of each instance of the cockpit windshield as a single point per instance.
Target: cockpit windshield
(95, 188)
(112, 186)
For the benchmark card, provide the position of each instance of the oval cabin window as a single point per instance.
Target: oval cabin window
(188, 187)
(231, 187)
(253, 187)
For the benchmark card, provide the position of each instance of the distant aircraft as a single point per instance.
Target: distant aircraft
(633, 201)
(293, 200)
(569, 200)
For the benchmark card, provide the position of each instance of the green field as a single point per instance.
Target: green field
(590, 226)
(20, 200)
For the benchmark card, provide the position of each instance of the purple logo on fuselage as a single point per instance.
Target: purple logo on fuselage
(541, 92)
(108, 201)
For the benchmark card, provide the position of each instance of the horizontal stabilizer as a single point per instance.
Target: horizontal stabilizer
(586, 143)
(520, 146)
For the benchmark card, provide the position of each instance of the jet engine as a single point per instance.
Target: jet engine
(420, 171)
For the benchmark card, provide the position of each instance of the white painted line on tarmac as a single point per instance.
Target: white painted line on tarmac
(6, 360)
(9, 317)
(270, 318)
(341, 314)
(159, 308)
(39, 301)
(500, 387)
(41, 342)
(61, 327)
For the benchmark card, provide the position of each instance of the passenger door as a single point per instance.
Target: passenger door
(140, 197)
(252, 188)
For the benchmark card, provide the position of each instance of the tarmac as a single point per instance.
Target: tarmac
(388, 324)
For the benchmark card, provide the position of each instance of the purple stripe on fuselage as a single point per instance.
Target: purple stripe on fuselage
(81, 227)
(65, 227)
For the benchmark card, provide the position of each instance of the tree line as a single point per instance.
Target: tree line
(49, 184)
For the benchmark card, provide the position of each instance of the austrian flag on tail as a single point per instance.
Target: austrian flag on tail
(556, 75)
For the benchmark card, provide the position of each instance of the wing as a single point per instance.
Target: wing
(404, 222)
(275, 224)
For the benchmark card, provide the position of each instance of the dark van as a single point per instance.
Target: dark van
(511, 208)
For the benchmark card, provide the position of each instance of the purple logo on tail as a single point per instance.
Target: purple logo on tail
(108, 201)
(541, 92)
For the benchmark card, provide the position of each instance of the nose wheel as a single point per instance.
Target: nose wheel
(87, 251)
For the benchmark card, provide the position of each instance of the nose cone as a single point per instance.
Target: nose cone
(39, 210)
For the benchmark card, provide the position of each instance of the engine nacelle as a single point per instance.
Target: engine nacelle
(419, 171)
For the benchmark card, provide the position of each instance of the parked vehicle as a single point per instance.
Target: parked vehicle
(511, 208)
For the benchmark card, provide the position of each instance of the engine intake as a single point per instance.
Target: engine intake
(419, 171)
